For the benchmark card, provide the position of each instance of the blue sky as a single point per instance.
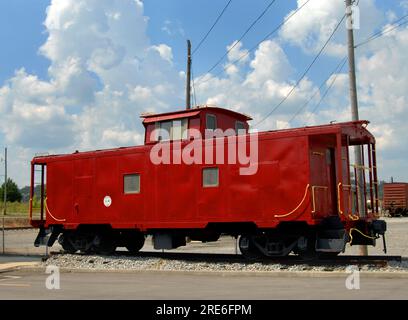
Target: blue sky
(75, 96)
(22, 33)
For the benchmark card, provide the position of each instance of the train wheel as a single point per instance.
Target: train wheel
(248, 248)
(64, 241)
(134, 241)
(106, 244)
(399, 212)
(309, 252)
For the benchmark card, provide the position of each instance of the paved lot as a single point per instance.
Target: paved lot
(148, 285)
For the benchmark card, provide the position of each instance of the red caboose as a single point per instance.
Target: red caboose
(200, 174)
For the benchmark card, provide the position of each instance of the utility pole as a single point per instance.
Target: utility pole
(5, 181)
(354, 114)
(188, 86)
(4, 193)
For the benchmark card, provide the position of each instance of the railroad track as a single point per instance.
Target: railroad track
(238, 258)
(16, 228)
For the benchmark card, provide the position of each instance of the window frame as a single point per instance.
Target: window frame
(212, 185)
(209, 115)
(140, 184)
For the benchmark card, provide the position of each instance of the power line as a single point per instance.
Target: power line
(203, 80)
(335, 71)
(212, 27)
(383, 32)
(327, 90)
(242, 36)
(303, 75)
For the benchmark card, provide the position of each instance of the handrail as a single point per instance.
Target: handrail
(31, 209)
(360, 167)
(338, 199)
(313, 195)
(360, 232)
(350, 215)
(48, 211)
(298, 206)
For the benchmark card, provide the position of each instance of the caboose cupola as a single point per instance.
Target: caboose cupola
(176, 125)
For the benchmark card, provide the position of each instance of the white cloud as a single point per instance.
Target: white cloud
(313, 24)
(270, 63)
(237, 57)
(236, 52)
(383, 77)
(173, 28)
(259, 89)
(32, 115)
(282, 124)
(120, 135)
(164, 51)
(391, 16)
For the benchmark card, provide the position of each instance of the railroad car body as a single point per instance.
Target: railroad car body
(396, 198)
(278, 191)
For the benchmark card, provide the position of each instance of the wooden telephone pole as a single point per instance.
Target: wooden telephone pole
(188, 85)
(4, 194)
(354, 114)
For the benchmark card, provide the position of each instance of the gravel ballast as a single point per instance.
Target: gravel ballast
(95, 262)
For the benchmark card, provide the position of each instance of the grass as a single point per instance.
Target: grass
(19, 208)
(17, 214)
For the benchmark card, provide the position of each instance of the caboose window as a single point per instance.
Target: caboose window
(131, 183)
(211, 122)
(179, 129)
(210, 177)
(165, 130)
(239, 127)
(172, 130)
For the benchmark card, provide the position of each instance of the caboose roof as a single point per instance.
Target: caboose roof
(153, 117)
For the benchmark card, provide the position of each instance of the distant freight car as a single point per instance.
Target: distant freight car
(294, 193)
(396, 198)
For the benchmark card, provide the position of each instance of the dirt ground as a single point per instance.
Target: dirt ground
(15, 222)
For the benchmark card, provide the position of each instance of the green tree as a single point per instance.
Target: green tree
(13, 193)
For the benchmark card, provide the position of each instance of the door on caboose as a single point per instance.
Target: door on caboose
(83, 189)
(331, 177)
(323, 179)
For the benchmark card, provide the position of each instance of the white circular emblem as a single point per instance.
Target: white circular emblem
(107, 201)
